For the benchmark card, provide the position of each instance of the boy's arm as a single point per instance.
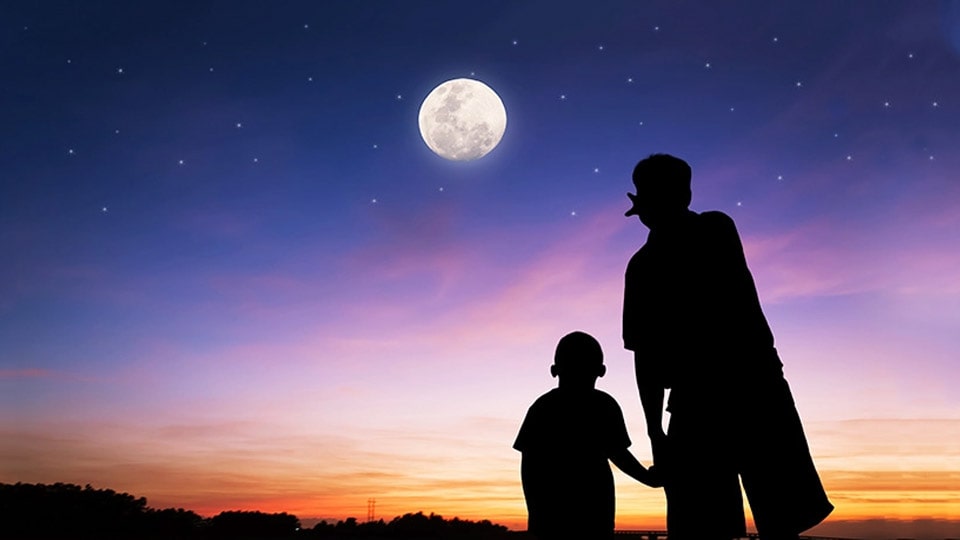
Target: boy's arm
(625, 461)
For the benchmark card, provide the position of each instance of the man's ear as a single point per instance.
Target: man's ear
(553, 370)
(601, 370)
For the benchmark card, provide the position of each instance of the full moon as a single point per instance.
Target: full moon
(462, 120)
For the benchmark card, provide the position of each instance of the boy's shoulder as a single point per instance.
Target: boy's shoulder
(546, 398)
(556, 396)
(606, 398)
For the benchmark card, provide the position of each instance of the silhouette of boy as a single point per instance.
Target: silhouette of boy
(567, 440)
(692, 316)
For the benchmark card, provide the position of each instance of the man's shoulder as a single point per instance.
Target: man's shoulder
(717, 229)
(716, 217)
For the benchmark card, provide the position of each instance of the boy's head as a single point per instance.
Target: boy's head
(578, 360)
(663, 188)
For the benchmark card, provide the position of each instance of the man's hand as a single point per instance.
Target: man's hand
(661, 453)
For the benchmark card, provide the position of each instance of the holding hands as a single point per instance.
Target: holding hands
(625, 461)
(654, 479)
(660, 470)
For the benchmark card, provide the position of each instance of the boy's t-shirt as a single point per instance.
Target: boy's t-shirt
(566, 440)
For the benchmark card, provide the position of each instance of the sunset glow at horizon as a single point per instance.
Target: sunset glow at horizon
(235, 277)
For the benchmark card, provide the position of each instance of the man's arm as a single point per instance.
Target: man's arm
(651, 397)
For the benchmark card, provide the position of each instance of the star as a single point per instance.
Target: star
(473, 73)
(440, 189)
(629, 79)
(935, 104)
(120, 71)
(836, 135)
(563, 97)
(600, 47)
(373, 201)
(739, 203)
(707, 65)
(211, 70)
(849, 157)
(514, 42)
(910, 56)
(180, 162)
(117, 131)
(596, 170)
(239, 125)
(931, 158)
(204, 43)
(573, 213)
(70, 151)
(799, 84)
(376, 146)
(731, 109)
(309, 79)
(641, 122)
(69, 61)
(306, 27)
(103, 210)
(656, 28)
(399, 97)
(256, 160)
(886, 104)
(776, 39)
(779, 177)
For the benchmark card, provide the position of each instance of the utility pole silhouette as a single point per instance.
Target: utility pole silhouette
(371, 507)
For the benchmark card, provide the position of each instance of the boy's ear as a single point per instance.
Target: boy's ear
(601, 370)
(553, 370)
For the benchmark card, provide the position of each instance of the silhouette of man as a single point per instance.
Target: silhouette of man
(692, 316)
(567, 439)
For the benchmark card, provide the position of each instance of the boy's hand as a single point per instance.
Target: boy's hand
(625, 461)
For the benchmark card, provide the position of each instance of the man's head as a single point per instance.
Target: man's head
(663, 189)
(578, 361)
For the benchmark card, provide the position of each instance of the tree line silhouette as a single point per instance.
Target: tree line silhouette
(70, 512)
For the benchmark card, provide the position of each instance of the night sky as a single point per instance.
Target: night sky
(234, 277)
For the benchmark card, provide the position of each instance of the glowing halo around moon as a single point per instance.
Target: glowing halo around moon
(462, 120)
